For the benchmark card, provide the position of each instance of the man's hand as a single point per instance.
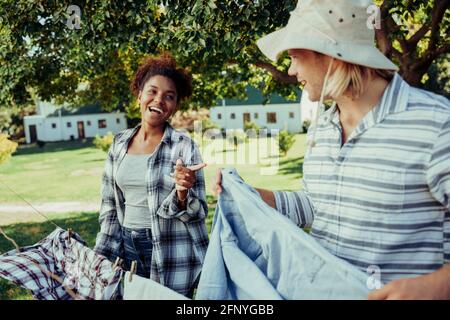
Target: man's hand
(217, 183)
(185, 178)
(433, 286)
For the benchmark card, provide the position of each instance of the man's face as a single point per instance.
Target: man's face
(158, 100)
(310, 69)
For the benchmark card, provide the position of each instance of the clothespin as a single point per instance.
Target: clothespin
(132, 269)
(70, 232)
(117, 262)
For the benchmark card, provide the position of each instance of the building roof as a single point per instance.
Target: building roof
(255, 97)
(87, 109)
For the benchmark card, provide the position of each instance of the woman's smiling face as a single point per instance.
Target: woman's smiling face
(158, 100)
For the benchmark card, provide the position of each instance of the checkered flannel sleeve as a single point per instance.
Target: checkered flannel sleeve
(108, 242)
(196, 207)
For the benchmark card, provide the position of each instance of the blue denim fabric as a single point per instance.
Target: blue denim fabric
(138, 247)
(257, 253)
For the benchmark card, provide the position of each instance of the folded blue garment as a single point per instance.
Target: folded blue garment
(257, 253)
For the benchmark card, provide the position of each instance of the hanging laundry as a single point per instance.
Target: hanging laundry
(88, 275)
(140, 288)
(257, 253)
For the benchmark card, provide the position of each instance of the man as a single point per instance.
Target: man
(376, 185)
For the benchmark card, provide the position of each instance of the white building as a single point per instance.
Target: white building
(56, 124)
(308, 107)
(278, 113)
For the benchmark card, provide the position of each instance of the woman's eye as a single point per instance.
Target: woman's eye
(170, 98)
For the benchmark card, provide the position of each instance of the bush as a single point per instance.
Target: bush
(306, 125)
(208, 124)
(7, 148)
(104, 142)
(285, 141)
(249, 125)
(40, 143)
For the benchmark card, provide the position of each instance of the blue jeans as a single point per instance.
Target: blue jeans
(138, 247)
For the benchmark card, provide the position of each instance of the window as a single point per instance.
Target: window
(118, 120)
(219, 116)
(101, 123)
(291, 115)
(53, 125)
(233, 116)
(256, 115)
(69, 124)
(271, 117)
(88, 123)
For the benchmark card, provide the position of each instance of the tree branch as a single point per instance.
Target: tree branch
(278, 75)
(430, 55)
(388, 25)
(439, 8)
(418, 35)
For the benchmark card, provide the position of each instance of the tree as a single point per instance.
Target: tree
(42, 50)
(285, 141)
(414, 33)
(7, 148)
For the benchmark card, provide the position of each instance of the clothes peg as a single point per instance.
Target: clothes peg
(132, 269)
(117, 263)
(70, 232)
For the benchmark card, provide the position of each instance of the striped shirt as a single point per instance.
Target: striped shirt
(383, 197)
(179, 237)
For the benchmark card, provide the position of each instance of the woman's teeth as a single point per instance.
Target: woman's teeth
(154, 109)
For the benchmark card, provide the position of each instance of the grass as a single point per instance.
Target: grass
(57, 172)
(72, 172)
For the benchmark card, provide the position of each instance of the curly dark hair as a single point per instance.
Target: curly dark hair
(163, 65)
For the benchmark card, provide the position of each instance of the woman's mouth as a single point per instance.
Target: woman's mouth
(155, 109)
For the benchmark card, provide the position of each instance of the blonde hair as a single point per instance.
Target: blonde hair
(348, 78)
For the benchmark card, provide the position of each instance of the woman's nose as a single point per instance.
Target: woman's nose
(158, 98)
(292, 71)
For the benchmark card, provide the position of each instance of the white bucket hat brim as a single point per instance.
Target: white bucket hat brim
(309, 29)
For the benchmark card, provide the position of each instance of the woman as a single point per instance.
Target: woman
(153, 194)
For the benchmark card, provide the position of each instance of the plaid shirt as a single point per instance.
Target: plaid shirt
(179, 236)
(88, 275)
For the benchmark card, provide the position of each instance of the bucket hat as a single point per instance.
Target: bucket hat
(342, 29)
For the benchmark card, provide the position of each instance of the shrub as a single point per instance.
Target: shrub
(7, 148)
(104, 142)
(306, 125)
(40, 143)
(208, 124)
(285, 141)
(248, 125)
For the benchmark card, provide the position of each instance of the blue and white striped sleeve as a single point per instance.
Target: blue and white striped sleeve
(438, 177)
(297, 206)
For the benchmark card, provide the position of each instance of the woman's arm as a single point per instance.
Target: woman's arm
(108, 242)
(187, 201)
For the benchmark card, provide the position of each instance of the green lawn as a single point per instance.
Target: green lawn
(72, 172)
(64, 171)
